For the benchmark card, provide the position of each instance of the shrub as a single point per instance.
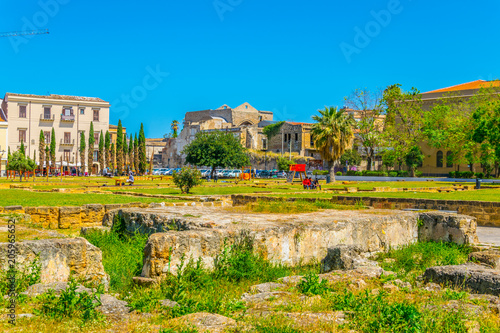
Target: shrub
(403, 173)
(418, 173)
(479, 175)
(358, 173)
(71, 304)
(351, 173)
(393, 173)
(339, 173)
(452, 174)
(23, 278)
(312, 285)
(320, 172)
(187, 178)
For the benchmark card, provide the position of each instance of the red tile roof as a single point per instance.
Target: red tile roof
(52, 96)
(468, 86)
(294, 123)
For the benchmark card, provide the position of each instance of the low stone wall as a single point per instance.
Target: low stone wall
(486, 213)
(58, 259)
(201, 232)
(67, 217)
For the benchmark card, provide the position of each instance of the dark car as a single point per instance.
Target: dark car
(264, 174)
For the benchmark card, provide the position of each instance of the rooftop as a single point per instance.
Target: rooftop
(468, 86)
(62, 97)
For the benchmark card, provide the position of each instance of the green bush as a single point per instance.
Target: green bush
(320, 172)
(452, 174)
(418, 173)
(311, 284)
(393, 173)
(19, 278)
(339, 173)
(187, 178)
(71, 304)
(479, 175)
(351, 173)
(403, 173)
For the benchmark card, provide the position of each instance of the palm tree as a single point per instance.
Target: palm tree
(175, 128)
(333, 133)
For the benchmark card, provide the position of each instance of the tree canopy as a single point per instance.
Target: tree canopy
(216, 149)
(21, 163)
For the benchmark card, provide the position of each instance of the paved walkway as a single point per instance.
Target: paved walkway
(489, 235)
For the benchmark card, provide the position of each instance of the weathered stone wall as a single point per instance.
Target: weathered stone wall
(200, 232)
(487, 213)
(68, 217)
(58, 259)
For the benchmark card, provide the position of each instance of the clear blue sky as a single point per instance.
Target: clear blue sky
(281, 56)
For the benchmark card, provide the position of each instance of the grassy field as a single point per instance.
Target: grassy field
(24, 198)
(479, 195)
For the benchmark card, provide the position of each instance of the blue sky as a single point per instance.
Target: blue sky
(156, 59)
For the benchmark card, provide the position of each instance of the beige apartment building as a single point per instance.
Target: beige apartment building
(4, 130)
(27, 115)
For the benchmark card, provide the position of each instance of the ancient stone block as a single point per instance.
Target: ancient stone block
(341, 257)
(13, 210)
(447, 227)
(478, 279)
(69, 217)
(58, 258)
(92, 214)
(490, 258)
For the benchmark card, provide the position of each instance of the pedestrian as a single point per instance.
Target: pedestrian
(316, 184)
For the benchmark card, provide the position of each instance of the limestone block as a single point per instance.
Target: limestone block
(447, 227)
(92, 214)
(490, 258)
(59, 258)
(69, 217)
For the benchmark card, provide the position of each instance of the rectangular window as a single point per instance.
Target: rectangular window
(68, 111)
(46, 134)
(264, 144)
(22, 135)
(22, 111)
(96, 115)
(296, 136)
(67, 137)
(82, 111)
(96, 138)
(312, 141)
(66, 155)
(46, 113)
(95, 155)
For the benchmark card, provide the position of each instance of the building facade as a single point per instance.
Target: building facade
(436, 161)
(27, 115)
(154, 148)
(242, 121)
(4, 131)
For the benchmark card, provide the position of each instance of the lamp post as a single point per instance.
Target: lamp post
(1, 157)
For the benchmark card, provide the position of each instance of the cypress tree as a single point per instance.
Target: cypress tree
(143, 163)
(91, 147)
(125, 151)
(53, 149)
(41, 149)
(136, 154)
(82, 152)
(107, 147)
(113, 157)
(131, 152)
(101, 151)
(119, 148)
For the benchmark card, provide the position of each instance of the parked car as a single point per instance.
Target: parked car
(264, 174)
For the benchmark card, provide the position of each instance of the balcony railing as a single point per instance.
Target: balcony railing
(67, 142)
(45, 117)
(67, 118)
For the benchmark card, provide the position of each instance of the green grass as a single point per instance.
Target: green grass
(410, 261)
(478, 195)
(23, 198)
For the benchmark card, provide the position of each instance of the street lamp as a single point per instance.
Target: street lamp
(1, 156)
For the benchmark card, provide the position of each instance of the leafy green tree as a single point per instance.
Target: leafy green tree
(414, 159)
(487, 127)
(333, 133)
(369, 125)
(143, 162)
(403, 131)
(119, 148)
(101, 151)
(136, 154)
(216, 149)
(284, 163)
(82, 151)
(41, 149)
(350, 157)
(175, 128)
(131, 153)
(389, 158)
(91, 148)
(53, 149)
(22, 150)
(187, 178)
(20, 163)
(107, 148)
